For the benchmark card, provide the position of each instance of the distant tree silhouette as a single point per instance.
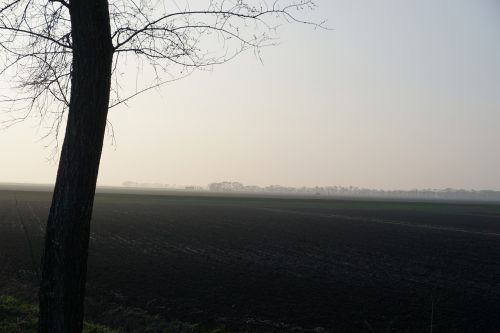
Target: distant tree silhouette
(66, 58)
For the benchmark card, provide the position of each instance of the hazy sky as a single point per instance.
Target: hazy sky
(402, 94)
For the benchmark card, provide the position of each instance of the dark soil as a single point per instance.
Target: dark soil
(280, 265)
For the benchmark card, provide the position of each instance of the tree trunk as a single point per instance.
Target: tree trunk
(64, 262)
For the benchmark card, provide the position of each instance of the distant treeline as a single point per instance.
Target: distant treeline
(334, 191)
(352, 191)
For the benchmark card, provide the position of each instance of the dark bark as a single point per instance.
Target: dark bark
(64, 263)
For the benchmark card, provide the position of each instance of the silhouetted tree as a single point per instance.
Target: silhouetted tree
(66, 58)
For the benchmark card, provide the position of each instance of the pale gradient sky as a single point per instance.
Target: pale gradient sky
(402, 94)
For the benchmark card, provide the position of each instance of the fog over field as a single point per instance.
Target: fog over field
(269, 166)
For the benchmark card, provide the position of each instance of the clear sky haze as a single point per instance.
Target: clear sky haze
(399, 95)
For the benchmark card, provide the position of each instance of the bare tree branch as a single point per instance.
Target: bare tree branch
(164, 38)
